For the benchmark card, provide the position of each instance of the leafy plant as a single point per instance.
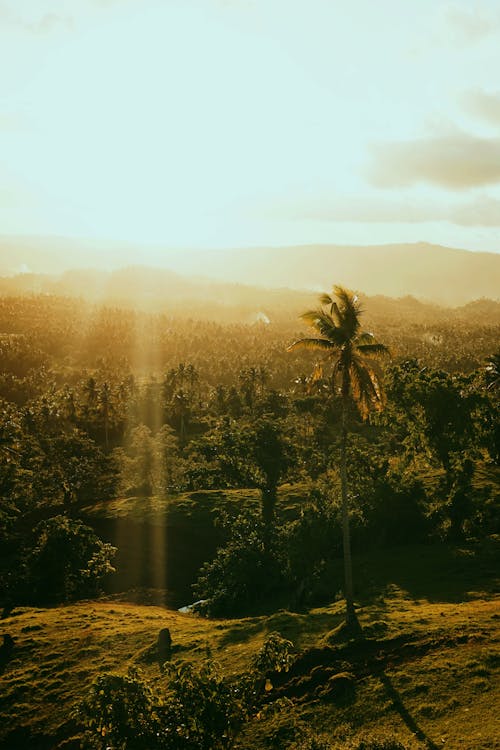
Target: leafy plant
(197, 709)
(243, 571)
(67, 561)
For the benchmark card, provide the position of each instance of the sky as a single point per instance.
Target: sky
(221, 123)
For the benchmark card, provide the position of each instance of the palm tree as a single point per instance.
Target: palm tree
(348, 350)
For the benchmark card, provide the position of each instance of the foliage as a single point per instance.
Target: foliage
(67, 561)
(275, 655)
(435, 411)
(197, 708)
(99, 403)
(437, 597)
(121, 712)
(311, 542)
(243, 572)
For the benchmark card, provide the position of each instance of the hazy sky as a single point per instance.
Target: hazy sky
(243, 122)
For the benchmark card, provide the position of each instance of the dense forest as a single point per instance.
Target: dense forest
(251, 442)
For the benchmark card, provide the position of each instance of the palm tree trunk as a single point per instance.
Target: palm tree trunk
(351, 619)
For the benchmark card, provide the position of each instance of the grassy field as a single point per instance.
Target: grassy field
(427, 669)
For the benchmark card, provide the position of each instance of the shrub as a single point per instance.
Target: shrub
(67, 561)
(198, 709)
(243, 572)
(312, 542)
(122, 712)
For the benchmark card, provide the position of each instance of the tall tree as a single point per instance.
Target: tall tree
(271, 454)
(348, 351)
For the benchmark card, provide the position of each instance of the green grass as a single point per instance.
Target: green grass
(429, 665)
(198, 506)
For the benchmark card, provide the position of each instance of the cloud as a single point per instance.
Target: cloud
(469, 25)
(456, 161)
(484, 105)
(50, 22)
(44, 24)
(482, 211)
(354, 209)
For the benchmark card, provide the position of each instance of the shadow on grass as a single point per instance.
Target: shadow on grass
(6, 650)
(242, 632)
(405, 715)
(292, 625)
(437, 573)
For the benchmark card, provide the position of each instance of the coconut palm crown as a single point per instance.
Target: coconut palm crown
(347, 347)
(349, 351)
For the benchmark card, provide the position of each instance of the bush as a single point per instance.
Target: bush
(312, 542)
(122, 712)
(67, 561)
(199, 709)
(396, 512)
(243, 572)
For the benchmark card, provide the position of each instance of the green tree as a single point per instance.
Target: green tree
(348, 351)
(106, 404)
(435, 412)
(67, 561)
(492, 372)
(271, 454)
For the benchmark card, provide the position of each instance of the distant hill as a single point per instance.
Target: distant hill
(434, 273)
(442, 275)
(160, 290)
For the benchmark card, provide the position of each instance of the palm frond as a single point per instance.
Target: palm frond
(311, 343)
(311, 316)
(325, 299)
(325, 325)
(336, 314)
(373, 350)
(365, 384)
(349, 310)
(365, 338)
(347, 298)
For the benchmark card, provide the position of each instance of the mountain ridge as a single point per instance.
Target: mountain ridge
(434, 273)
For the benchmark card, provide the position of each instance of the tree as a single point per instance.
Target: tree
(348, 350)
(105, 402)
(67, 561)
(435, 412)
(492, 372)
(271, 453)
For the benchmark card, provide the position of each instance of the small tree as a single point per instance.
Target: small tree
(271, 453)
(67, 561)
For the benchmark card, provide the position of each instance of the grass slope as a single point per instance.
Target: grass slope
(428, 667)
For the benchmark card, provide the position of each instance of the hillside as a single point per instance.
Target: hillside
(428, 666)
(443, 275)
